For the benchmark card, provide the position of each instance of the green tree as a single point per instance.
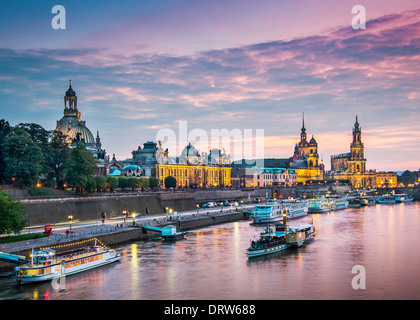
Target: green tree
(407, 177)
(153, 182)
(80, 166)
(12, 213)
(144, 182)
(56, 157)
(133, 183)
(23, 158)
(41, 137)
(112, 183)
(170, 182)
(122, 182)
(5, 129)
(91, 185)
(100, 183)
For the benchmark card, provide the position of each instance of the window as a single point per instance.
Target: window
(48, 270)
(95, 258)
(41, 271)
(67, 265)
(100, 257)
(57, 268)
(31, 272)
(86, 260)
(72, 264)
(91, 259)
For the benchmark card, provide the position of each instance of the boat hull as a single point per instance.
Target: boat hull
(264, 251)
(63, 271)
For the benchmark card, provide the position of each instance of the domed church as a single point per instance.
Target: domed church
(76, 131)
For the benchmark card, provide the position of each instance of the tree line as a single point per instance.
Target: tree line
(30, 154)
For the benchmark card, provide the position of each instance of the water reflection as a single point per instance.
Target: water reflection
(211, 263)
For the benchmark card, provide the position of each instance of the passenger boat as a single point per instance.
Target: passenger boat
(272, 211)
(281, 238)
(367, 201)
(355, 203)
(47, 265)
(319, 205)
(403, 198)
(338, 203)
(386, 199)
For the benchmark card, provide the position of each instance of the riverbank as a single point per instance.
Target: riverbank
(112, 236)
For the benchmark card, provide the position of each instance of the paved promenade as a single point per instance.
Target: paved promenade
(62, 232)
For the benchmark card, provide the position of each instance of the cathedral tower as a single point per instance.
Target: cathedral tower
(357, 161)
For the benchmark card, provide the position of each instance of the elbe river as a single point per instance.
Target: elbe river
(211, 263)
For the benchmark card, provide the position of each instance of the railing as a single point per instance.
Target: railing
(75, 234)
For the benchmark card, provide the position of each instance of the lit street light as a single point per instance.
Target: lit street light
(70, 220)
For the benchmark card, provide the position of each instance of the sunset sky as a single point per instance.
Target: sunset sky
(142, 66)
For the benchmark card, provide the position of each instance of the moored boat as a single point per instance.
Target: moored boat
(273, 211)
(319, 205)
(47, 265)
(339, 203)
(281, 238)
(403, 198)
(355, 203)
(367, 201)
(386, 199)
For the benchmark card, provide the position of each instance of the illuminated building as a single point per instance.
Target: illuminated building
(386, 179)
(199, 171)
(352, 166)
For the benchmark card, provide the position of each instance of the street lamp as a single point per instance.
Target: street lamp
(134, 218)
(70, 220)
(198, 207)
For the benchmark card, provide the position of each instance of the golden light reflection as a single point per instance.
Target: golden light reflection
(135, 267)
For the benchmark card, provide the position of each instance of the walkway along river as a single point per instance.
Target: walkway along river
(211, 263)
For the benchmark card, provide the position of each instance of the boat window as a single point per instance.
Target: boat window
(41, 271)
(31, 272)
(67, 265)
(86, 260)
(23, 272)
(77, 262)
(100, 257)
(95, 258)
(72, 264)
(56, 268)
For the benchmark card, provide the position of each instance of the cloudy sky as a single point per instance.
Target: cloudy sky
(140, 67)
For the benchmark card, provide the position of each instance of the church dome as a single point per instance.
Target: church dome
(313, 141)
(80, 132)
(189, 155)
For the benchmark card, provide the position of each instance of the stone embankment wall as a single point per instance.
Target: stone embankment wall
(45, 211)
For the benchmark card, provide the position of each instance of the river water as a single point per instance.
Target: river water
(211, 263)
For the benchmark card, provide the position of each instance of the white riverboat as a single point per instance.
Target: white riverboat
(273, 211)
(283, 237)
(319, 205)
(338, 203)
(328, 203)
(47, 265)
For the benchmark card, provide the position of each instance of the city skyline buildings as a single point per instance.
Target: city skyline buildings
(222, 75)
